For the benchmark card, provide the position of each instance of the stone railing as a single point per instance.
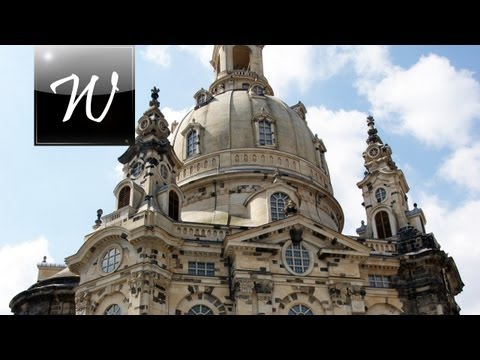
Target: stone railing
(381, 246)
(200, 232)
(118, 216)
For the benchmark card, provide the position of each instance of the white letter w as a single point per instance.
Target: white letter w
(89, 88)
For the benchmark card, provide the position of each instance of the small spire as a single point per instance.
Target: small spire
(154, 102)
(372, 132)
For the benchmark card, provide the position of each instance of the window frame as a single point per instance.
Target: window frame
(291, 268)
(116, 264)
(380, 194)
(200, 306)
(380, 281)
(119, 310)
(173, 205)
(306, 311)
(265, 119)
(126, 198)
(385, 223)
(201, 268)
(279, 214)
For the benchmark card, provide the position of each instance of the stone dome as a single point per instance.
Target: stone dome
(241, 145)
(228, 123)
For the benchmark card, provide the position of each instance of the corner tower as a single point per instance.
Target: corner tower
(384, 189)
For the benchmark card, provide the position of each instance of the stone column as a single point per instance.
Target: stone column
(243, 296)
(264, 289)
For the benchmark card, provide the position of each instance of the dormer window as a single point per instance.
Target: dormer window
(202, 97)
(257, 90)
(265, 131)
(192, 139)
(192, 134)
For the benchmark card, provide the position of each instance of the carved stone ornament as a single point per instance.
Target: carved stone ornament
(82, 300)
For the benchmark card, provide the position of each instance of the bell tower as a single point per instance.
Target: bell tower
(239, 67)
(384, 190)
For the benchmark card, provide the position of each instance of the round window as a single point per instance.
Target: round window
(111, 260)
(380, 194)
(137, 169)
(297, 259)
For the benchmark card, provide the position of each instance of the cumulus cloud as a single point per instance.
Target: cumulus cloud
(158, 54)
(162, 54)
(463, 168)
(343, 133)
(18, 268)
(430, 100)
(454, 228)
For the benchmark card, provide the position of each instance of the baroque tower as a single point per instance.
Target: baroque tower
(237, 215)
(427, 279)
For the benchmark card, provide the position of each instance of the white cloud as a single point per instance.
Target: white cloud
(454, 228)
(201, 52)
(344, 134)
(172, 115)
(463, 167)
(18, 268)
(158, 54)
(162, 54)
(432, 101)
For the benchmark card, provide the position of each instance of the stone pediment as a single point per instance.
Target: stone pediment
(296, 228)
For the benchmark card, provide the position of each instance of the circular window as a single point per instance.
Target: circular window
(200, 310)
(111, 260)
(380, 194)
(137, 169)
(297, 259)
(164, 171)
(114, 310)
(300, 310)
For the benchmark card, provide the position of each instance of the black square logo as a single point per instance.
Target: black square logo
(84, 95)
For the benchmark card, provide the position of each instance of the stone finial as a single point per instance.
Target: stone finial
(98, 222)
(44, 259)
(154, 102)
(372, 132)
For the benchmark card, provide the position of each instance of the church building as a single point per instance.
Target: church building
(236, 215)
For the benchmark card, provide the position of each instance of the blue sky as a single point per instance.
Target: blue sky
(426, 100)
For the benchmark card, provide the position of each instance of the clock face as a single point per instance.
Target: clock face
(373, 152)
(137, 169)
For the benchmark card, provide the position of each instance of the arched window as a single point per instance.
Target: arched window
(382, 223)
(277, 205)
(124, 197)
(173, 205)
(200, 310)
(265, 133)
(113, 309)
(192, 140)
(241, 57)
(300, 310)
